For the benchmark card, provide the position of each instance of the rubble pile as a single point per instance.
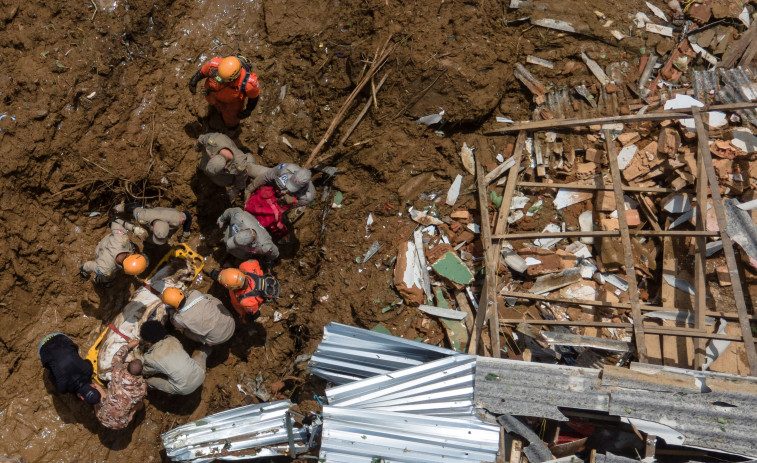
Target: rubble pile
(564, 290)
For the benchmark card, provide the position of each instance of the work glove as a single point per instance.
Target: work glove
(244, 114)
(140, 232)
(118, 208)
(184, 237)
(196, 78)
(286, 200)
(83, 273)
(198, 146)
(220, 222)
(250, 317)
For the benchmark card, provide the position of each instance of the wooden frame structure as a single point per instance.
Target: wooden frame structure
(706, 179)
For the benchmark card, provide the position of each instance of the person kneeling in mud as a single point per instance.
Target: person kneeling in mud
(167, 365)
(126, 391)
(68, 371)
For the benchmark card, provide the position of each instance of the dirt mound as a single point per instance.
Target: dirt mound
(95, 109)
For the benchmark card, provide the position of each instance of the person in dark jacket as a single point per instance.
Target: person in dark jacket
(68, 371)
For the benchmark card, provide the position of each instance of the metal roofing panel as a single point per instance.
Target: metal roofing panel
(442, 387)
(347, 353)
(359, 435)
(237, 433)
(536, 389)
(712, 410)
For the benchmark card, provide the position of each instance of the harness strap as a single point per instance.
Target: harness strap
(192, 304)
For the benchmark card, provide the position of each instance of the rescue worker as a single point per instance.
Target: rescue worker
(228, 82)
(224, 163)
(290, 182)
(245, 237)
(201, 317)
(162, 222)
(167, 365)
(68, 371)
(248, 288)
(127, 390)
(115, 253)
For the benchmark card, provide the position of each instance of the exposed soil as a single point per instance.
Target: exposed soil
(97, 111)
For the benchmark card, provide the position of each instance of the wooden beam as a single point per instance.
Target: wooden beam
(487, 305)
(661, 330)
(690, 333)
(735, 51)
(599, 187)
(730, 256)
(625, 238)
(614, 305)
(700, 256)
(518, 321)
(603, 233)
(682, 113)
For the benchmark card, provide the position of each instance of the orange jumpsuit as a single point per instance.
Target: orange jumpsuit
(228, 97)
(246, 300)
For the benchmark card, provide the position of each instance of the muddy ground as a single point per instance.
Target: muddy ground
(97, 111)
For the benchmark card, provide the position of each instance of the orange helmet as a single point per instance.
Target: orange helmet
(231, 278)
(134, 264)
(172, 297)
(229, 69)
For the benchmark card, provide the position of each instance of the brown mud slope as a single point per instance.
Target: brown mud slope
(97, 110)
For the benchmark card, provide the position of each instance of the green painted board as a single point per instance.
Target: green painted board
(452, 268)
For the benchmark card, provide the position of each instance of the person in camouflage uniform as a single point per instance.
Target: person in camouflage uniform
(126, 391)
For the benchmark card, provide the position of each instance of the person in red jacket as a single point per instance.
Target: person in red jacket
(228, 82)
(248, 288)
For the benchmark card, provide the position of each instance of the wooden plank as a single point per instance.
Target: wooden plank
(656, 330)
(613, 305)
(499, 227)
(603, 233)
(690, 333)
(682, 113)
(700, 256)
(599, 187)
(517, 321)
(625, 238)
(487, 305)
(735, 51)
(462, 303)
(730, 256)
(515, 450)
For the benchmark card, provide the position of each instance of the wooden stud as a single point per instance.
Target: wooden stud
(730, 256)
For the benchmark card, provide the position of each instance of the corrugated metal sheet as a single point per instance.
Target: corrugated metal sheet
(737, 85)
(443, 387)
(536, 389)
(348, 354)
(370, 436)
(712, 410)
(249, 432)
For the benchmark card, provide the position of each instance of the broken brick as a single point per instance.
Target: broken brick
(633, 218)
(594, 156)
(605, 201)
(463, 216)
(627, 138)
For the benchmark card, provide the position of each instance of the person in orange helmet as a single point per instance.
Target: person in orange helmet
(248, 288)
(228, 82)
(114, 254)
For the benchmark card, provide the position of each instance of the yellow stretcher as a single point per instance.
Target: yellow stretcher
(179, 251)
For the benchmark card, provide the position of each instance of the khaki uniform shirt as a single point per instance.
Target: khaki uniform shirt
(172, 217)
(223, 173)
(204, 319)
(125, 393)
(238, 220)
(277, 177)
(168, 358)
(108, 248)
